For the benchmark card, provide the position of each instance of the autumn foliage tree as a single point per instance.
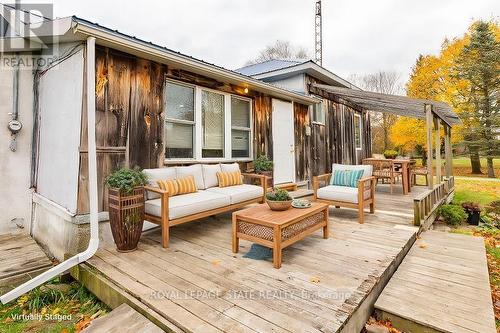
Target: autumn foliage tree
(436, 77)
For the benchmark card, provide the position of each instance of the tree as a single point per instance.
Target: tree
(479, 64)
(280, 50)
(435, 77)
(385, 82)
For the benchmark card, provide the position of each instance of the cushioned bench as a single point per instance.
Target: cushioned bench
(210, 199)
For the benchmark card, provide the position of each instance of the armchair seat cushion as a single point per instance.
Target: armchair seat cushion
(340, 193)
(188, 204)
(239, 193)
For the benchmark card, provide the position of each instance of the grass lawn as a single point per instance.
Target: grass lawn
(53, 307)
(461, 166)
(482, 191)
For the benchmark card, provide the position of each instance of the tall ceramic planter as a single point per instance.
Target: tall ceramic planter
(126, 217)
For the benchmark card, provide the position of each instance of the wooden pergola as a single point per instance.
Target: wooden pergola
(436, 114)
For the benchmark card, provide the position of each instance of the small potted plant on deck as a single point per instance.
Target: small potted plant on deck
(279, 199)
(473, 211)
(126, 207)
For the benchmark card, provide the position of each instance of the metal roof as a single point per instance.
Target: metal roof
(268, 66)
(399, 105)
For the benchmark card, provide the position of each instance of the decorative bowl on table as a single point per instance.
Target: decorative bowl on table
(279, 199)
(301, 203)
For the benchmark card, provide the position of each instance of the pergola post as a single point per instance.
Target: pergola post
(448, 155)
(437, 123)
(429, 126)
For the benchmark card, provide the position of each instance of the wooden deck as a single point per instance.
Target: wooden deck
(441, 286)
(123, 319)
(20, 260)
(199, 285)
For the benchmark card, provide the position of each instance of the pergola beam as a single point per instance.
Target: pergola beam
(429, 126)
(400, 105)
(447, 151)
(438, 149)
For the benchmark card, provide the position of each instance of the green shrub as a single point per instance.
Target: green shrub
(278, 195)
(452, 214)
(126, 179)
(390, 153)
(262, 163)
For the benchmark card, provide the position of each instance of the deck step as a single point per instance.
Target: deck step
(287, 186)
(301, 194)
(123, 319)
(21, 259)
(442, 285)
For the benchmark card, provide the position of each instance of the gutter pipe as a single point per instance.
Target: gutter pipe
(94, 225)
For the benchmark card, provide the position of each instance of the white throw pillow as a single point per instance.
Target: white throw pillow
(233, 167)
(192, 170)
(158, 174)
(210, 174)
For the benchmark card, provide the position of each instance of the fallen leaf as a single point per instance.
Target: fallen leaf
(314, 279)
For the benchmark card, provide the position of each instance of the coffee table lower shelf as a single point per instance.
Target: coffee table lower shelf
(278, 229)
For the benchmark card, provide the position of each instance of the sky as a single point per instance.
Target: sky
(359, 36)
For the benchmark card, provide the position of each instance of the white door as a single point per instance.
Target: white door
(283, 142)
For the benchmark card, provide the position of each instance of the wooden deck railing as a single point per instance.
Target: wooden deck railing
(426, 204)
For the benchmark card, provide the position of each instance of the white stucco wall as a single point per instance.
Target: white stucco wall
(60, 100)
(15, 194)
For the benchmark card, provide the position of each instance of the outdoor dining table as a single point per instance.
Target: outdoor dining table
(404, 164)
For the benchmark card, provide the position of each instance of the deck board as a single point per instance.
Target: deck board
(318, 289)
(443, 285)
(21, 259)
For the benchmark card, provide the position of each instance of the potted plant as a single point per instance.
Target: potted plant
(126, 207)
(473, 211)
(263, 165)
(279, 199)
(390, 154)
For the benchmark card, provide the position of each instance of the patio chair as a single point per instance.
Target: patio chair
(359, 196)
(385, 170)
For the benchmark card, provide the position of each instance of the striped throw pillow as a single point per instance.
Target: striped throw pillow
(178, 186)
(169, 185)
(187, 185)
(229, 178)
(348, 178)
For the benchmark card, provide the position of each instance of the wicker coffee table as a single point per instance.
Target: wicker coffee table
(278, 229)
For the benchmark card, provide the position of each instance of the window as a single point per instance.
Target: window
(240, 127)
(212, 108)
(204, 124)
(319, 113)
(179, 126)
(357, 131)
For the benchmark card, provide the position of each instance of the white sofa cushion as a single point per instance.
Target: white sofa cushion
(239, 193)
(192, 170)
(188, 204)
(367, 169)
(210, 174)
(339, 193)
(233, 167)
(158, 174)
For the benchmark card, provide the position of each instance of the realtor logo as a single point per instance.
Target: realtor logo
(25, 27)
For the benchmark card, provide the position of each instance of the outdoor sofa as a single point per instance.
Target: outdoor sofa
(360, 196)
(209, 199)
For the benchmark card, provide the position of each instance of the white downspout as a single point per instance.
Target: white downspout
(92, 157)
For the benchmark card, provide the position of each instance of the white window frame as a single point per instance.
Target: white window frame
(323, 106)
(198, 127)
(358, 120)
(179, 121)
(238, 128)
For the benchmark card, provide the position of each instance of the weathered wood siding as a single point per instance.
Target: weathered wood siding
(303, 165)
(262, 126)
(334, 141)
(130, 120)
